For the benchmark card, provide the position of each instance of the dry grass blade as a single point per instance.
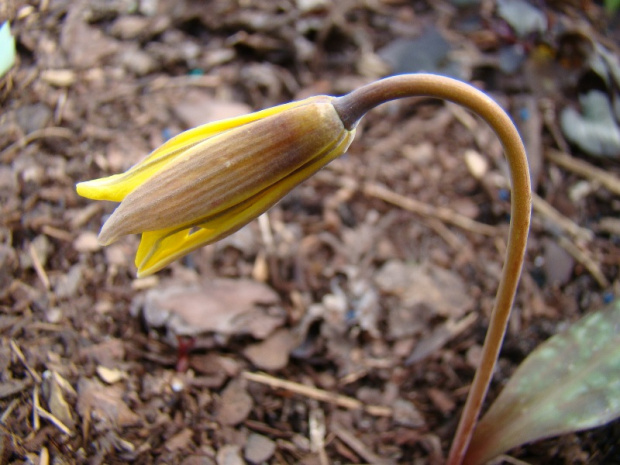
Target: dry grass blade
(318, 394)
(586, 170)
(441, 213)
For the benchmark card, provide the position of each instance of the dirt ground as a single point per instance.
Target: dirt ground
(345, 325)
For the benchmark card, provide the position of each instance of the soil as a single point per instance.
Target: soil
(371, 308)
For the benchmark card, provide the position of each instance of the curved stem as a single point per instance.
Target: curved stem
(352, 107)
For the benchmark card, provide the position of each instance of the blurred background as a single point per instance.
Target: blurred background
(373, 280)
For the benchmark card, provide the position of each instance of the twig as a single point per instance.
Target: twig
(439, 337)
(8, 411)
(316, 423)
(8, 154)
(264, 225)
(44, 456)
(446, 233)
(586, 170)
(558, 222)
(208, 82)
(57, 233)
(38, 267)
(510, 460)
(441, 213)
(358, 446)
(318, 394)
(555, 221)
(609, 225)
(52, 419)
(36, 421)
(20, 355)
(585, 259)
(548, 109)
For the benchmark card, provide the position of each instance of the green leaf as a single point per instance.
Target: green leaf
(595, 131)
(612, 5)
(7, 48)
(569, 383)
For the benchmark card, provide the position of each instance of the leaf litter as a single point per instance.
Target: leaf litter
(319, 294)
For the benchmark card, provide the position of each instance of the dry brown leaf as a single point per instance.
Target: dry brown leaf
(85, 45)
(104, 403)
(197, 107)
(180, 441)
(273, 352)
(235, 404)
(425, 292)
(57, 403)
(229, 455)
(259, 448)
(224, 306)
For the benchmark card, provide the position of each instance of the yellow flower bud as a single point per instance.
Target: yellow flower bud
(208, 182)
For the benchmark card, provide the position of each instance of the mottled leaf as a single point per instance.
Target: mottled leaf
(595, 130)
(569, 383)
(7, 48)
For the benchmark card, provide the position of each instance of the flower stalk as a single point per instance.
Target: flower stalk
(210, 181)
(352, 107)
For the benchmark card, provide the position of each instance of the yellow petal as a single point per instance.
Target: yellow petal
(116, 187)
(227, 169)
(160, 248)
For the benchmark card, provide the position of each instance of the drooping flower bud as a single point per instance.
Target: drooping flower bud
(208, 182)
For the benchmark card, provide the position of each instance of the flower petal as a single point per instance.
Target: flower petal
(226, 169)
(116, 187)
(160, 248)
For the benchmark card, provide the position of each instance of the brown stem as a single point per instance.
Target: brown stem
(352, 107)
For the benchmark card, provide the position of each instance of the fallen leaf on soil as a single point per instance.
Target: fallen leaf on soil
(223, 306)
(439, 336)
(558, 264)
(229, 455)
(180, 441)
(429, 52)
(14, 386)
(425, 291)
(595, 131)
(104, 403)
(216, 365)
(259, 448)
(273, 352)
(198, 107)
(67, 285)
(406, 414)
(86, 242)
(59, 77)
(106, 353)
(441, 400)
(57, 403)
(235, 404)
(8, 265)
(86, 46)
(198, 460)
(477, 165)
(523, 17)
(110, 375)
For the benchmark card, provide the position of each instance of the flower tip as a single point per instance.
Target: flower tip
(82, 189)
(108, 233)
(142, 273)
(104, 239)
(147, 270)
(91, 190)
